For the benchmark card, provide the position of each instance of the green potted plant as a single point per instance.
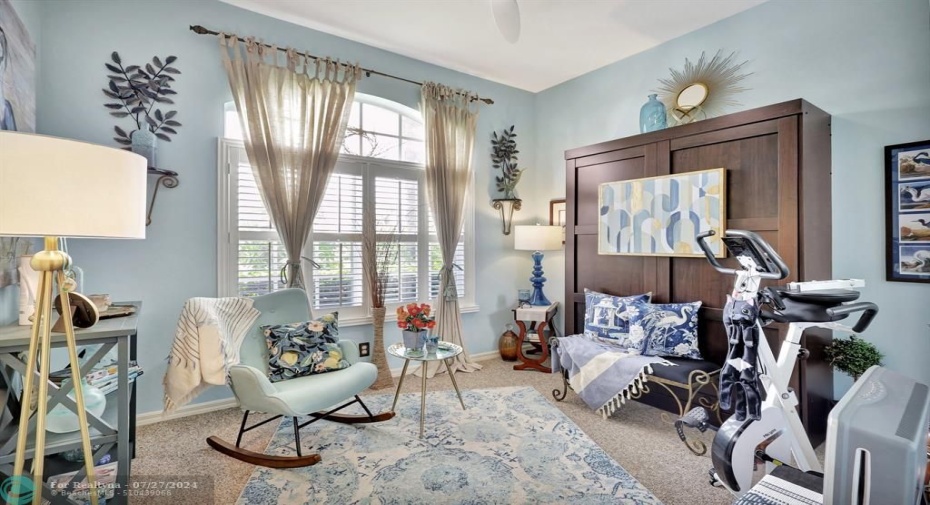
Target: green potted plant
(852, 356)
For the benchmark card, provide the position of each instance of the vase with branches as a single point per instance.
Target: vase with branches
(377, 258)
(139, 92)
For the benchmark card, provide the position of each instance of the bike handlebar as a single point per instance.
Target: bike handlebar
(869, 311)
(702, 241)
(757, 242)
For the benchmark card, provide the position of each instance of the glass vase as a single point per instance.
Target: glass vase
(62, 420)
(431, 344)
(652, 115)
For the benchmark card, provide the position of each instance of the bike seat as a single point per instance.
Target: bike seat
(824, 297)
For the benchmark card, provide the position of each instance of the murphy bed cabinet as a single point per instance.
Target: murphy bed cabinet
(778, 184)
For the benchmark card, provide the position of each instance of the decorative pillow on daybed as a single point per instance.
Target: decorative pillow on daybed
(670, 329)
(299, 349)
(608, 316)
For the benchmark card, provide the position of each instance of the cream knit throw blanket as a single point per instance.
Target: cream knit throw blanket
(206, 344)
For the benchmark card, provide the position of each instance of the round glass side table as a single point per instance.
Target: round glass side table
(445, 352)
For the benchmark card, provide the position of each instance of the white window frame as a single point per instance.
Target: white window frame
(228, 234)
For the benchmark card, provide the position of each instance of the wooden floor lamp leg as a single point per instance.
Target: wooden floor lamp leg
(45, 351)
(78, 390)
(27, 397)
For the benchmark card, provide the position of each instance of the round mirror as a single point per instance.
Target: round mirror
(692, 96)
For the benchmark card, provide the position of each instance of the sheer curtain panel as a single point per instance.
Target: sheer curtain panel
(449, 118)
(293, 112)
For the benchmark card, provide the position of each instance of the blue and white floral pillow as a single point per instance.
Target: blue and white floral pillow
(669, 329)
(608, 316)
(299, 349)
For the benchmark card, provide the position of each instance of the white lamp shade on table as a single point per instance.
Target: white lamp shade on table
(537, 238)
(53, 187)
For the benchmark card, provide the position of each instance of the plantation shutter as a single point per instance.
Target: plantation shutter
(260, 256)
(397, 226)
(336, 241)
(337, 244)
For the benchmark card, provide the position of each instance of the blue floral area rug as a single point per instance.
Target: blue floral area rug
(509, 446)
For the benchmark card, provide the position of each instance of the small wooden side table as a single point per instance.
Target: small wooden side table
(539, 318)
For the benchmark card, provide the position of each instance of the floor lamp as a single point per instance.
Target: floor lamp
(51, 188)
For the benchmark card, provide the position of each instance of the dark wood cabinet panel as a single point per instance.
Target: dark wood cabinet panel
(752, 173)
(592, 176)
(778, 183)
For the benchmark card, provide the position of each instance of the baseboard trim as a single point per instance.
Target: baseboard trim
(158, 416)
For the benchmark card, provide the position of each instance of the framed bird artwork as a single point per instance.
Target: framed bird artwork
(907, 207)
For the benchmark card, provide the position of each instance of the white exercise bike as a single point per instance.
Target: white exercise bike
(764, 433)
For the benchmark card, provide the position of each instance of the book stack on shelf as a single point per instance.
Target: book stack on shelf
(105, 379)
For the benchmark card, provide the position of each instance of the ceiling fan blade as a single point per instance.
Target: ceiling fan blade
(507, 17)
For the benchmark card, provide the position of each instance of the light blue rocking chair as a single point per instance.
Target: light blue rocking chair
(319, 396)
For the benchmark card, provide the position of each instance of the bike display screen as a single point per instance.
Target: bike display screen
(743, 247)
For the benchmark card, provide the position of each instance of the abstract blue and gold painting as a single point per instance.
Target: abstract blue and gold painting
(661, 216)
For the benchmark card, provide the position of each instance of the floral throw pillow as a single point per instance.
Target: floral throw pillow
(608, 316)
(669, 329)
(299, 349)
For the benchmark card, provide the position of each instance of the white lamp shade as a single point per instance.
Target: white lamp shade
(537, 238)
(64, 188)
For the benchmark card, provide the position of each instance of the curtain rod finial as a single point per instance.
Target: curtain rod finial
(199, 29)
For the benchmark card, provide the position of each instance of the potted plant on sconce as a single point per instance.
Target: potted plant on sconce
(504, 158)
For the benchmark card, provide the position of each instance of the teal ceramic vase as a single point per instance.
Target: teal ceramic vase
(143, 144)
(652, 115)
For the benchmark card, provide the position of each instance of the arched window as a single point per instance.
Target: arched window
(377, 128)
(376, 192)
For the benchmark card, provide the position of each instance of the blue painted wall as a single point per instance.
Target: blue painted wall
(29, 13)
(866, 62)
(177, 260)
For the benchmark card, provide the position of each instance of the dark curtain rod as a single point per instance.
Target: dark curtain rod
(204, 31)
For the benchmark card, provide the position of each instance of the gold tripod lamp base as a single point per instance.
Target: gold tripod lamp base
(53, 187)
(50, 264)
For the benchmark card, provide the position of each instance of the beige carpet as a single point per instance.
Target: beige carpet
(635, 437)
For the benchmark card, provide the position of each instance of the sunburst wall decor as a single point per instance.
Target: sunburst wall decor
(720, 77)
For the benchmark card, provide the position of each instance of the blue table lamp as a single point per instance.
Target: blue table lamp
(538, 238)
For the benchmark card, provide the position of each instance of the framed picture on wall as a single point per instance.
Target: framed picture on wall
(662, 215)
(557, 215)
(907, 211)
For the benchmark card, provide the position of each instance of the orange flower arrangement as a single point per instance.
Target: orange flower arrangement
(413, 317)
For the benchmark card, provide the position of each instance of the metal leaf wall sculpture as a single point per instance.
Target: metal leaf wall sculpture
(504, 157)
(138, 92)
